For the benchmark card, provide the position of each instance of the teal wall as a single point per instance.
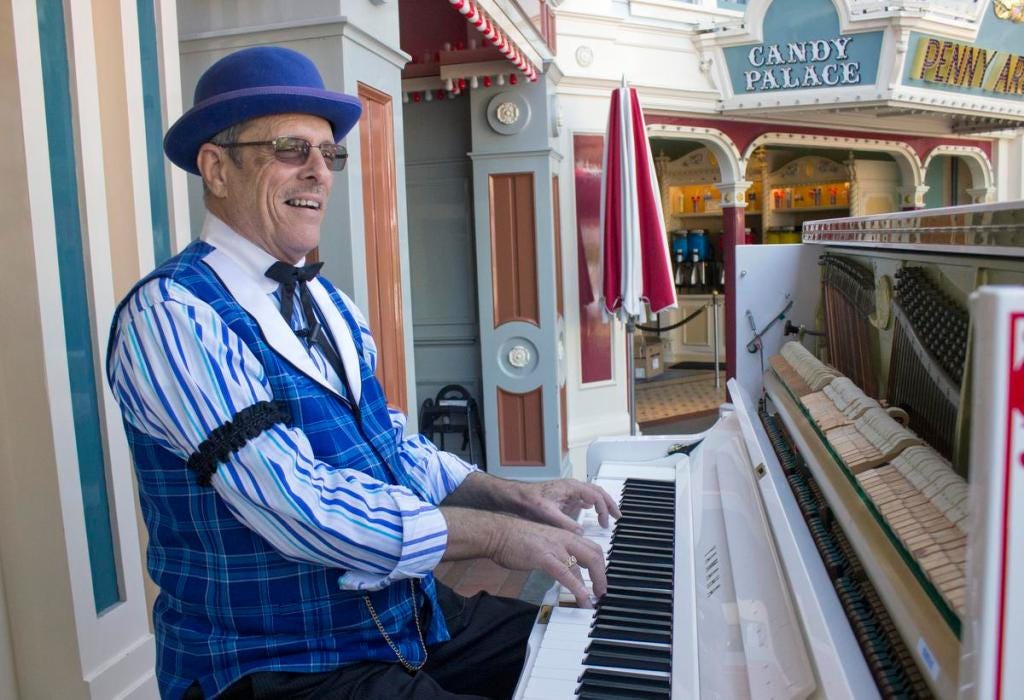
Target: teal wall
(935, 178)
(74, 292)
(796, 21)
(150, 66)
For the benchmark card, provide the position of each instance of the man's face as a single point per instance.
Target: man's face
(277, 206)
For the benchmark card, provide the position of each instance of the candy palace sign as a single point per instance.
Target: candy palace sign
(801, 64)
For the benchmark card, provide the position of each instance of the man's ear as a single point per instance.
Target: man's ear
(212, 162)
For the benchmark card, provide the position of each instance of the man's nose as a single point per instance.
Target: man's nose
(316, 166)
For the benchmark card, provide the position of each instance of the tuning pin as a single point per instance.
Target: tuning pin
(487, 81)
(474, 82)
(512, 79)
(416, 97)
(405, 97)
(501, 79)
(428, 95)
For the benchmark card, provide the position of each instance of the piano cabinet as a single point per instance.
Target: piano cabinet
(863, 490)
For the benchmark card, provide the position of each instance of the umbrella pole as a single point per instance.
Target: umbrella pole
(631, 376)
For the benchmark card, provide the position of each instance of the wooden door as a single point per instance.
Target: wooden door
(380, 217)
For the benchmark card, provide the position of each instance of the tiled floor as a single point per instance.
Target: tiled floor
(475, 575)
(678, 393)
(471, 576)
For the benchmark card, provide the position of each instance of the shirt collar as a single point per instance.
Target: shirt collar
(253, 260)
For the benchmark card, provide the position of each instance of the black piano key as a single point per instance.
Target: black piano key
(591, 694)
(651, 568)
(630, 549)
(626, 655)
(653, 521)
(630, 633)
(640, 583)
(638, 685)
(634, 622)
(645, 613)
(660, 529)
(616, 596)
(626, 559)
(651, 484)
(647, 542)
(647, 505)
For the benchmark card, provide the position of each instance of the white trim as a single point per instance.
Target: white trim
(138, 163)
(732, 163)
(178, 222)
(924, 19)
(906, 158)
(106, 640)
(982, 173)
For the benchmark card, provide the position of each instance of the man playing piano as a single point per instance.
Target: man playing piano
(293, 525)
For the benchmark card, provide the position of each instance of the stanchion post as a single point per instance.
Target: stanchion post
(714, 330)
(631, 380)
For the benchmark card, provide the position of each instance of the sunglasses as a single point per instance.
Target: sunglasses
(295, 151)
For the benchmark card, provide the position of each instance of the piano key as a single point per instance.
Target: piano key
(631, 633)
(651, 684)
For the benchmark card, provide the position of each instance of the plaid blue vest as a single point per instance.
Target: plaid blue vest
(229, 603)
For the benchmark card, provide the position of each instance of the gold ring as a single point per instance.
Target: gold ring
(571, 561)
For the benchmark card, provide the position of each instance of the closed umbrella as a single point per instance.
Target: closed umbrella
(635, 265)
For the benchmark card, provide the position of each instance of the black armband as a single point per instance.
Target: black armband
(232, 436)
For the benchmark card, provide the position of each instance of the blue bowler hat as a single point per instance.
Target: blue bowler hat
(253, 83)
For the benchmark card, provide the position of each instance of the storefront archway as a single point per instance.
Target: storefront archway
(730, 163)
(906, 159)
(940, 173)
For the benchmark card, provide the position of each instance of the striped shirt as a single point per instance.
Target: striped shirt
(179, 372)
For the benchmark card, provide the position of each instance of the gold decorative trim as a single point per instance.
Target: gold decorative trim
(1012, 10)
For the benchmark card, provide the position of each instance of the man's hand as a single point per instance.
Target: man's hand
(523, 545)
(558, 503)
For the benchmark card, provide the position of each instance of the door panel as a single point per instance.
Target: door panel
(383, 266)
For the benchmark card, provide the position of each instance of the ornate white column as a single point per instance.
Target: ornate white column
(913, 197)
(982, 195)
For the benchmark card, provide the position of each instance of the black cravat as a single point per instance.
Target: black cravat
(290, 277)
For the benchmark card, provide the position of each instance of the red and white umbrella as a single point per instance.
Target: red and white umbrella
(635, 264)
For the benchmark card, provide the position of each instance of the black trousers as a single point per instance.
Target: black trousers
(483, 659)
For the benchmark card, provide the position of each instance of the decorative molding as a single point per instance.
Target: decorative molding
(584, 56)
(317, 28)
(982, 172)
(906, 157)
(732, 164)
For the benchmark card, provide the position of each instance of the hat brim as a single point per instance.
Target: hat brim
(205, 120)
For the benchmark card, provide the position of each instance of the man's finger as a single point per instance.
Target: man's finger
(613, 507)
(557, 518)
(569, 577)
(591, 557)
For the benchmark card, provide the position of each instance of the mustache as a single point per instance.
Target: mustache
(317, 190)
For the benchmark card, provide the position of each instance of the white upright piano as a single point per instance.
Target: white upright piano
(852, 526)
